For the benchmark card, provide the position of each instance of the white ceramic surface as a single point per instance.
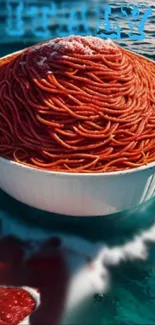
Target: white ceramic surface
(78, 194)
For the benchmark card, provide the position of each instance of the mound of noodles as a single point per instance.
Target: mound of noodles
(77, 104)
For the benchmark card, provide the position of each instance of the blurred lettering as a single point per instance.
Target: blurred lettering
(64, 19)
(15, 24)
(112, 31)
(136, 23)
(62, 23)
(40, 19)
(75, 21)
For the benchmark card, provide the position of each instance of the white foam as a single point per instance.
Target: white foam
(96, 279)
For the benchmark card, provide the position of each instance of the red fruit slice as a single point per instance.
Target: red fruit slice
(15, 305)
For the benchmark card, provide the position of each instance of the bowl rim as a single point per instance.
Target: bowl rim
(27, 168)
(149, 166)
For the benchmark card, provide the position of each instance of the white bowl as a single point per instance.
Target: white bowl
(78, 194)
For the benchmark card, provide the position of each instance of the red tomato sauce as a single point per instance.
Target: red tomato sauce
(15, 305)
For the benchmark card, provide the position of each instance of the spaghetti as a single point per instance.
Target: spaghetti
(77, 104)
